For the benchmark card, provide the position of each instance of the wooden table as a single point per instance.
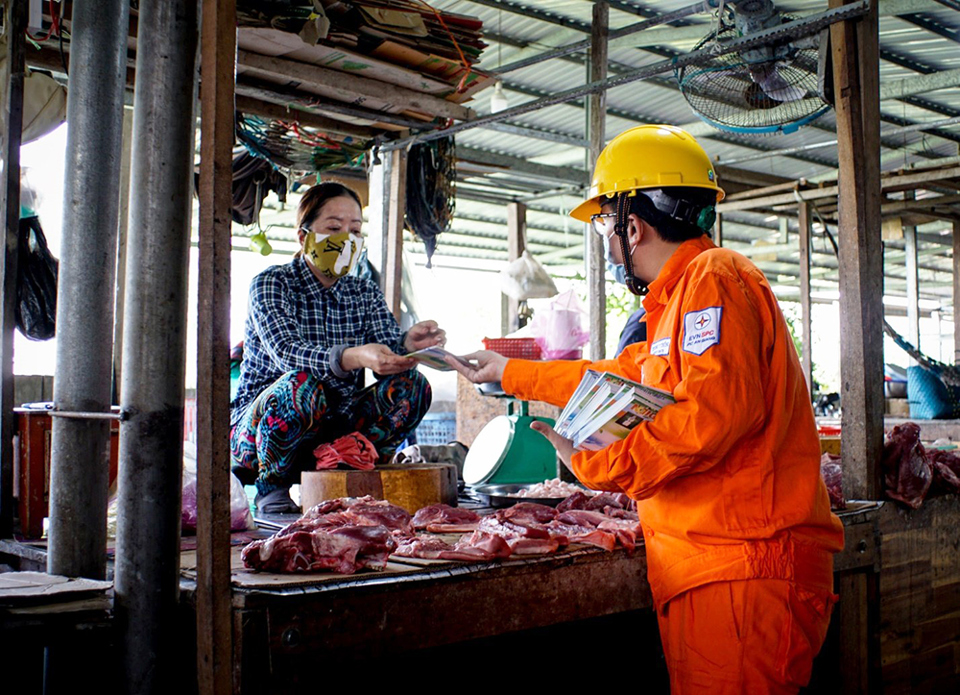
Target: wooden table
(289, 628)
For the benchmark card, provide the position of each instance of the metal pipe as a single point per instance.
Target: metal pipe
(796, 29)
(154, 348)
(87, 416)
(80, 453)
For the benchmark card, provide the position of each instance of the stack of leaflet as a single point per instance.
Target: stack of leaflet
(605, 407)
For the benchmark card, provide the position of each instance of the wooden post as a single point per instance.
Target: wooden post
(596, 133)
(393, 239)
(805, 304)
(856, 84)
(913, 281)
(956, 292)
(516, 243)
(11, 84)
(214, 611)
(718, 230)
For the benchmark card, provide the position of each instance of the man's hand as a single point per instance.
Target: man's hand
(423, 335)
(490, 366)
(563, 445)
(379, 358)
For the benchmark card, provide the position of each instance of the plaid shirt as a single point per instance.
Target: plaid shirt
(293, 324)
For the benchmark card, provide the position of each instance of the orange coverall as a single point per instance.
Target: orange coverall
(727, 479)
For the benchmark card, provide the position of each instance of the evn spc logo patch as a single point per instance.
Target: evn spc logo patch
(701, 329)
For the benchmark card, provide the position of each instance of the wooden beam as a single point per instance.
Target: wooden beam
(596, 131)
(806, 357)
(352, 89)
(295, 112)
(214, 611)
(718, 230)
(11, 84)
(893, 182)
(516, 243)
(393, 239)
(856, 80)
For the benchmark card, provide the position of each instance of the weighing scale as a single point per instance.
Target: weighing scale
(507, 451)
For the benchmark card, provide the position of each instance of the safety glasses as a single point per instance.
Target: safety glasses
(599, 222)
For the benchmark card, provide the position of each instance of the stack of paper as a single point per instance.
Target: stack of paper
(605, 407)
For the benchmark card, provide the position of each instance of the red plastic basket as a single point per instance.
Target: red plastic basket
(515, 348)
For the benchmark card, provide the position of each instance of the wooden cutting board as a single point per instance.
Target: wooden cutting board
(410, 486)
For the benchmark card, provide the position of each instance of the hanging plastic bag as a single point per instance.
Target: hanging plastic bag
(559, 330)
(37, 269)
(525, 278)
(241, 519)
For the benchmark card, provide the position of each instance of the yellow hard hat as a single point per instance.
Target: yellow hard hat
(648, 156)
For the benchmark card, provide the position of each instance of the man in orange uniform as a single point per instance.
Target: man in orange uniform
(737, 524)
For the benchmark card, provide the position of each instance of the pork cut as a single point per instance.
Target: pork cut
(363, 511)
(343, 549)
(907, 472)
(833, 477)
(946, 472)
(435, 548)
(442, 518)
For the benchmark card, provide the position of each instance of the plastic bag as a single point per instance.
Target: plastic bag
(559, 330)
(37, 269)
(241, 519)
(525, 278)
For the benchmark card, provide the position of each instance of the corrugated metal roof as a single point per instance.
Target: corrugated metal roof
(922, 41)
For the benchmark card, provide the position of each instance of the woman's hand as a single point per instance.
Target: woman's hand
(490, 366)
(563, 445)
(423, 335)
(379, 358)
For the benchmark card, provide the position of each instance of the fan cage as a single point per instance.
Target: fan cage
(736, 91)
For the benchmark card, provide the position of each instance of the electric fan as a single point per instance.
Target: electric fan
(768, 89)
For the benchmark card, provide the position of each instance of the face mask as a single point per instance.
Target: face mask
(618, 272)
(334, 255)
(616, 269)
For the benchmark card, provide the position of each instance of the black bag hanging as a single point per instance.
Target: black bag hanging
(37, 270)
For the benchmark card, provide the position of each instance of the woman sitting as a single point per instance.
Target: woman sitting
(311, 329)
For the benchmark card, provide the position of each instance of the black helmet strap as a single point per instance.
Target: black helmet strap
(634, 284)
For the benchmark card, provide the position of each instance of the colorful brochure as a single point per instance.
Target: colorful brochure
(605, 407)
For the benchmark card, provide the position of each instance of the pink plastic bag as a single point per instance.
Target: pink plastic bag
(559, 330)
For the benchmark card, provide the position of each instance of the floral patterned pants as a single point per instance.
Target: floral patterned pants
(291, 415)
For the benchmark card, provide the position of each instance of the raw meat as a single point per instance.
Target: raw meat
(442, 518)
(626, 530)
(946, 472)
(434, 548)
(527, 513)
(575, 533)
(526, 538)
(581, 500)
(342, 549)
(548, 489)
(364, 511)
(907, 472)
(833, 477)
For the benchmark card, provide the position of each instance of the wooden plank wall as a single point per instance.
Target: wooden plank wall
(920, 598)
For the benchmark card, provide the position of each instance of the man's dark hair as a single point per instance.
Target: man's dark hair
(670, 228)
